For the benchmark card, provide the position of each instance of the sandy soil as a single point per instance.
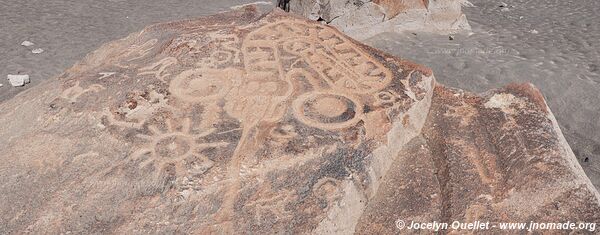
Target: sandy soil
(561, 57)
(551, 43)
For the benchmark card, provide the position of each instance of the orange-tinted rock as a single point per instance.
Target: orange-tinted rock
(273, 124)
(226, 123)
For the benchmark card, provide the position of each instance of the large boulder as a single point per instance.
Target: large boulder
(495, 157)
(362, 19)
(273, 124)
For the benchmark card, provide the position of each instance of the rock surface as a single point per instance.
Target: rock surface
(497, 157)
(18, 80)
(504, 50)
(362, 19)
(246, 123)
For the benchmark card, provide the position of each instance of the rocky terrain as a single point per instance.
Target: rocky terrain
(550, 43)
(250, 123)
(364, 19)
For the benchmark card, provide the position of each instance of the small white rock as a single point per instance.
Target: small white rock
(505, 10)
(18, 80)
(37, 51)
(27, 43)
(534, 31)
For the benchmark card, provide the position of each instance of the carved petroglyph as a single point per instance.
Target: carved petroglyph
(337, 60)
(158, 69)
(175, 145)
(227, 52)
(258, 101)
(328, 110)
(250, 96)
(199, 85)
(76, 91)
(112, 120)
(417, 85)
(192, 41)
(303, 133)
(136, 52)
(104, 75)
(259, 91)
(343, 67)
(308, 71)
(323, 70)
(222, 49)
(386, 98)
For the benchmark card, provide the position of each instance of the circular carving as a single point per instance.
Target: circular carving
(222, 57)
(327, 110)
(173, 145)
(199, 85)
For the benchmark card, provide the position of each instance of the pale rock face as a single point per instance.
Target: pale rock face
(18, 80)
(242, 123)
(363, 19)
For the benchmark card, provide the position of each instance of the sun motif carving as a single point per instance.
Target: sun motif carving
(177, 145)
